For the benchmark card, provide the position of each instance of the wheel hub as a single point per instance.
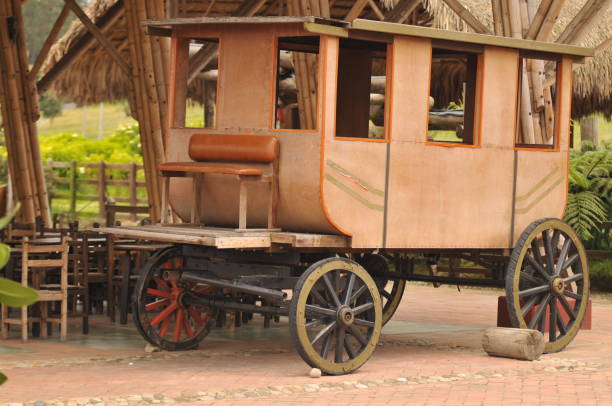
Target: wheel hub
(557, 286)
(345, 316)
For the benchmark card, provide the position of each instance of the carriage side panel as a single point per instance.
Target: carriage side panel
(451, 196)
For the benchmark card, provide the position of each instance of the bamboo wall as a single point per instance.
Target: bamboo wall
(19, 101)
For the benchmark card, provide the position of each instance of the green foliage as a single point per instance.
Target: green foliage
(601, 274)
(50, 107)
(121, 147)
(590, 192)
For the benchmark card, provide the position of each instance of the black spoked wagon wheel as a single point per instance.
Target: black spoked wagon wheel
(391, 291)
(547, 282)
(160, 312)
(335, 316)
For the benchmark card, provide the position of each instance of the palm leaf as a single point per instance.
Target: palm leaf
(16, 295)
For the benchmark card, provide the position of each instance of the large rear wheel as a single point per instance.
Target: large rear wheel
(547, 282)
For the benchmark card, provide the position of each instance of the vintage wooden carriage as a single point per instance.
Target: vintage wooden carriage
(336, 156)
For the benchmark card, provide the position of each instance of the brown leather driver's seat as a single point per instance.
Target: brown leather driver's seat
(211, 154)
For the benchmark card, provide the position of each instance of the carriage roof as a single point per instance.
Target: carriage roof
(340, 28)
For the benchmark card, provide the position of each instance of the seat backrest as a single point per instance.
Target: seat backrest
(28, 262)
(234, 148)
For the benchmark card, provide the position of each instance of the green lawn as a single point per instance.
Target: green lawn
(97, 121)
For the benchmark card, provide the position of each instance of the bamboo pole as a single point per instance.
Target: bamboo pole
(580, 25)
(468, 17)
(549, 20)
(505, 14)
(497, 17)
(44, 51)
(538, 19)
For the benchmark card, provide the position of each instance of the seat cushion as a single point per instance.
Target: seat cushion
(210, 167)
(233, 148)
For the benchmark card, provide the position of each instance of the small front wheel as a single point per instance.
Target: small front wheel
(335, 316)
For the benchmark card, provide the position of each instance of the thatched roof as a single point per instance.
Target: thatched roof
(94, 77)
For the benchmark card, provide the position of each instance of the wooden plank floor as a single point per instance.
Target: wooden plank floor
(227, 238)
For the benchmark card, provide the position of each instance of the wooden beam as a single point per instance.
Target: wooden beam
(95, 31)
(376, 10)
(549, 20)
(401, 11)
(80, 46)
(356, 10)
(575, 31)
(468, 17)
(44, 51)
(538, 19)
(497, 17)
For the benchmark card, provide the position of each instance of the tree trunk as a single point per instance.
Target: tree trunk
(589, 129)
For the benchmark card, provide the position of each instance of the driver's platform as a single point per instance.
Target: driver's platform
(228, 237)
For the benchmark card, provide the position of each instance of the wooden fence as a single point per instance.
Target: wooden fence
(75, 174)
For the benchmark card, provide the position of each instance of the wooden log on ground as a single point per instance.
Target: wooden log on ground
(515, 343)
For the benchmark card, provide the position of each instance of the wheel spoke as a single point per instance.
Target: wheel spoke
(164, 327)
(349, 348)
(362, 322)
(315, 292)
(573, 295)
(540, 311)
(561, 261)
(560, 325)
(178, 324)
(528, 278)
(529, 305)
(162, 285)
(552, 325)
(164, 314)
(326, 345)
(358, 293)
(196, 316)
(548, 251)
(535, 250)
(339, 349)
(320, 310)
(331, 291)
(386, 294)
(573, 278)
(566, 306)
(554, 242)
(538, 266)
(533, 291)
(159, 293)
(349, 289)
(362, 308)
(324, 333)
(157, 304)
(570, 261)
(186, 325)
(316, 323)
(358, 335)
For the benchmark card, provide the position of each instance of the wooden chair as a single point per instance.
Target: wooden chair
(31, 262)
(228, 155)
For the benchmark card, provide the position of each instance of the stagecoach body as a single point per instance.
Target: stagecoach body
(362, 189)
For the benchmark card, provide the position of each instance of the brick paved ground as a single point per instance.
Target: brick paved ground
(429, 355)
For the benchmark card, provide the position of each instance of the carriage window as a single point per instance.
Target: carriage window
(537, 102)
(297, 83)
(196, 84)
(452, 98)
(360, 101)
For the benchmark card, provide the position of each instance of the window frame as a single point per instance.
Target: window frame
(389, 72)
(477, 136)
(555, 147)
(177, 42)
(274, 83)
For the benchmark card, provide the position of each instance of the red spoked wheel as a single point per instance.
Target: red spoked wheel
(161, 314)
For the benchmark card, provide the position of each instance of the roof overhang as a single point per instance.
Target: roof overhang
(345, 29)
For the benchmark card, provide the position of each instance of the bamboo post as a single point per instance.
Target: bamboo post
(496, 9)
(72, 182)
(132, 186)
(102, 188)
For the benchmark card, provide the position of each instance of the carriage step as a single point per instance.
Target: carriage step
(197, 277)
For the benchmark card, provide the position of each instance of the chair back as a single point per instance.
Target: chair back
(31, 260)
